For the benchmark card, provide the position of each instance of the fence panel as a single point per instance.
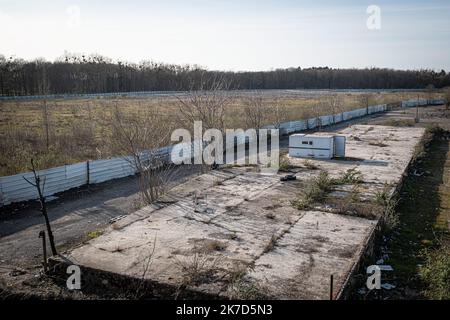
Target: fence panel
(414, 103)
(377, 108)
(436, 102)
(346, 115)
(76, 175)
(289, 127)
(15, 188)
(326, 120)
(103, 170)
(299, 125)
(312, 123)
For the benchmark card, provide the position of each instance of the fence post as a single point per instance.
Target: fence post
(331, 287)
(44, 249)
(1, 195)
(87, 173)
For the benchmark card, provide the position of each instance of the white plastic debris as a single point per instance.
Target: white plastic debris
(387, 286)
(417, 173)
(385, 267)
(112, 220)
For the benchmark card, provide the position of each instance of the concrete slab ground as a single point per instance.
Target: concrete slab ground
(243, 238)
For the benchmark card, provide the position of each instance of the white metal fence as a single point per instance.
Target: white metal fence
(15, 188)
(422, 102)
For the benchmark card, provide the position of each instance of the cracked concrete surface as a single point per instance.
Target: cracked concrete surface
(250, 221)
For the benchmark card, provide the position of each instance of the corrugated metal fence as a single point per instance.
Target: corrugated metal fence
(15, 188)
(421, 102)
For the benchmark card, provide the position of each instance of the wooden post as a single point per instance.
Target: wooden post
(417, 109)
(87, 173)
(44, 249)
(331, 287)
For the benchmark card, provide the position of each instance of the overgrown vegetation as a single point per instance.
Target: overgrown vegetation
(319, 187)
(417, 245)
(315, 191)
(436, 273)
(399, 123)
(285, 164)
(350, 176)
(310, 165)
(432, 132)
(241, 288)
(382, 196)
(198, 268)
(94, 234)
(352, 204)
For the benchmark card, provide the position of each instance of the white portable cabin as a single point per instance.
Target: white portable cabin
(316, 146)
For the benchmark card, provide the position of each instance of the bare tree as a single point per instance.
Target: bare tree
(317, 111)
(255, 113)
(332, 104)
(430, 91)
(365, 101)
(139, 138)
(277, 113)
(40, 189)
(206, 102)
(147, 262)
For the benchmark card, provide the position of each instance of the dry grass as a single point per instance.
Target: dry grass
(353, 207)
(308, 164)
(285, 164)
(198, 268)
(79, 129)
(399, 123)
(436, 274)
(315, 191)
(240, 286)
(94, 234)
(208, 246)
(350, 176)
(271, 243)
(378, 143)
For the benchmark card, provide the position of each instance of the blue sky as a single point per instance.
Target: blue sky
(233, 35)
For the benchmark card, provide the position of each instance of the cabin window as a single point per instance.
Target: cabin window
(304, 142)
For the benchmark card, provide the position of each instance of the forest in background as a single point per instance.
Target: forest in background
(80, 74)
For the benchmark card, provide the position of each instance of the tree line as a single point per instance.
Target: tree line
(79, 74)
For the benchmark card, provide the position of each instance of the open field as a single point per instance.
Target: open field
(66, 131)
